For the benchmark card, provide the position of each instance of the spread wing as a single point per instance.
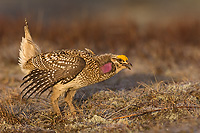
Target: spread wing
(51, 68)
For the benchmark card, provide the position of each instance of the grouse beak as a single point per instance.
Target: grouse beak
(128, 65)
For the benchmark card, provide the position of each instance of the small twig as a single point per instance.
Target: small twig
(117, 111)
(151, 111)
(124, 107)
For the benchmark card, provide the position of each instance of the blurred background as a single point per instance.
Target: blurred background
(161, 38)
(140, 11)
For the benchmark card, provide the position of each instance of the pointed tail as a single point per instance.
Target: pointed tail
(28, 49)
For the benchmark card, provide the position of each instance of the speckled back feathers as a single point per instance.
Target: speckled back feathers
(62, 67)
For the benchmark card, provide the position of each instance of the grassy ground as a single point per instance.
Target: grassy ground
(160, 94)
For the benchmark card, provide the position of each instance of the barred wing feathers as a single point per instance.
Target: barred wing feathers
(51, 68)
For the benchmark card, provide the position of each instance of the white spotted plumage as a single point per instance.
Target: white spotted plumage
(63, 70)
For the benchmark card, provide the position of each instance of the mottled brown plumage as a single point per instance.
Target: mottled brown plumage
(65, 70)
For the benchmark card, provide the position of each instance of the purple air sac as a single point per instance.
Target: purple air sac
(106, 68)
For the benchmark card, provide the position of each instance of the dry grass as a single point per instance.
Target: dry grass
(148, 107)
(166, 63)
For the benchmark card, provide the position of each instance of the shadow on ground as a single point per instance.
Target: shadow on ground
(121, 82)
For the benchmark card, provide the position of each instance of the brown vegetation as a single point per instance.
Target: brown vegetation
(160, 94)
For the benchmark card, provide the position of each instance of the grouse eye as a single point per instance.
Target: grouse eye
(120, 60)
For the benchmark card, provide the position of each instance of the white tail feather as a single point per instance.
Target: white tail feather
(28, 49)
